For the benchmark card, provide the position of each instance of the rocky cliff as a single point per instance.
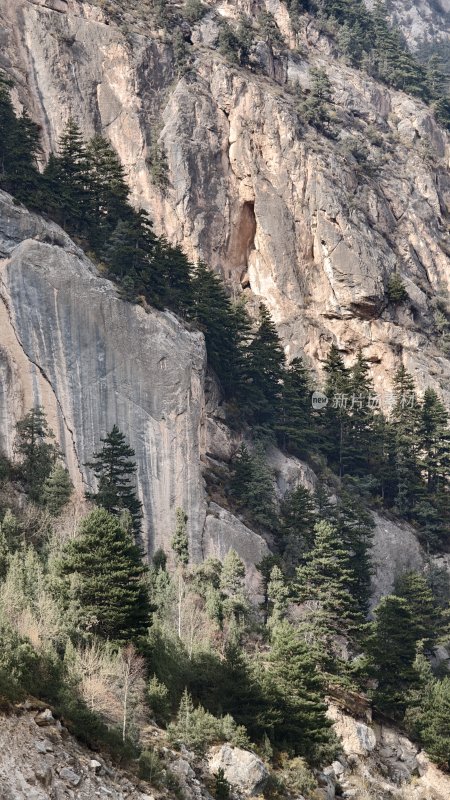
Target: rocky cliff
(287, 215)
(71, 345)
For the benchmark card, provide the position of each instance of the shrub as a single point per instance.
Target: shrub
(194, 10)
(151, 767)
(395, 290)
(158, 700)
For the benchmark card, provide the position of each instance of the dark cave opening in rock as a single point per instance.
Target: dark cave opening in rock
(242, 243)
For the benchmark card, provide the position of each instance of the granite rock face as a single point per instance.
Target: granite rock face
(70, 344)
(288, 216)
(243, 770)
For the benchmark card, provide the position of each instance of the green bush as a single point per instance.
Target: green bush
(158, 700)
(395, 290)
(194, 10)
(151, 767)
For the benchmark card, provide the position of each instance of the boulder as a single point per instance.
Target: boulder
(358, 739)
(242, 769)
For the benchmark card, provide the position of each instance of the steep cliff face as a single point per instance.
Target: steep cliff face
(70, 344)
(288, 214)
(423, 20)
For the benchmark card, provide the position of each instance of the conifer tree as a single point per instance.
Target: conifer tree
(108, 593)
(57, 489)
(19, 150)
(212, 311)
(180, 541)
(232, 584)
(361, 424)
(434, 441)
(114, 469)
(298, 520)
(354, 525)
(315, 109)
(335, 417)
(253, 485)
(278, 594)
(36, 451)
(180, 547)
(323, 582)
(294, 426)
(404, 425)
(433, 722)
(266, 365)
(108, 191)
(391, 650)
(66, 175)
(413, 588)
(296, 708)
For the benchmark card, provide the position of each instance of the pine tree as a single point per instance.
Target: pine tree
(434, 441)
(36, 451)
(404, 425)
(180, 541)
(355, 526)
(108, 590)
(174, 272)
(66, 176)
(434, 722)
(253, 485)
(57, 489)
(294, 426)
(114, 469)
(296, 708)
(361, 425)
(278, 594)
(269, 30)
(391, 650)
(19, 150)
(298, 520)
(335, 417)
(413, 588)
(266, 366)
(232, 584)
(224, 327)
(242, 472)
(108, 191)
(324, 583)
(315, 109)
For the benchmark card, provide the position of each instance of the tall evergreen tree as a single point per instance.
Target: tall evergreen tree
(354, 525)
(19, 150)
(296, 707)
(253, 485)
(391, 650)
(298, 520)
(404, 426)
(180, 541)
(66, 175)
(108, 191)
(335, 417)
(361, 426)
(57, 489)
(224, 329)
(114, 469)
(323, 584)
(413, 588)
(37, 452)
(108, 592)
(294, 425)
(266, 366)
